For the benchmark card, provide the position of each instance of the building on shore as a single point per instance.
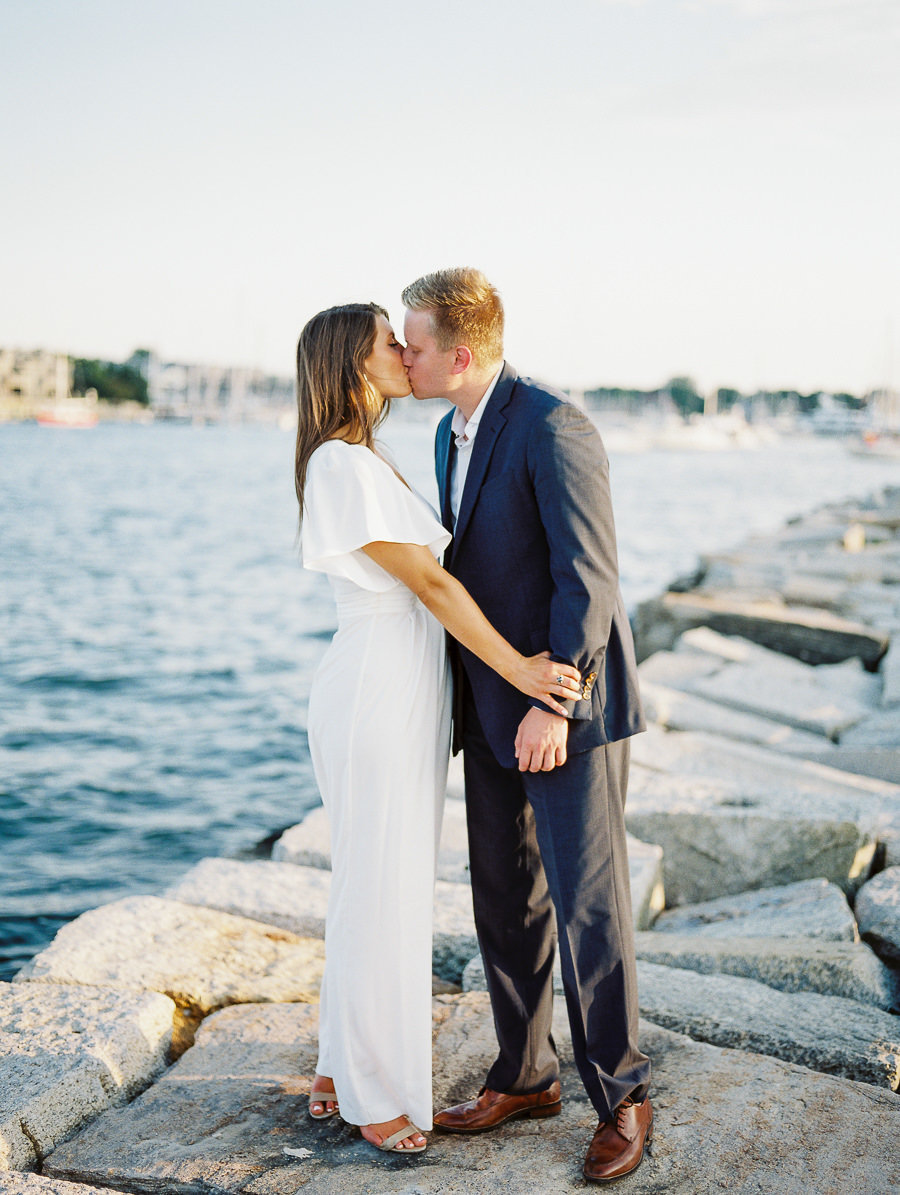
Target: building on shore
(884, 406)
(34, 375)
(212, 392)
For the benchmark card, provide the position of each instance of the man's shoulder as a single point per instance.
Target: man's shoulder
(546, 410)
(542, 402)
(539, 394)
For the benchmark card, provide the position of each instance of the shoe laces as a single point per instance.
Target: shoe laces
(627, 1103)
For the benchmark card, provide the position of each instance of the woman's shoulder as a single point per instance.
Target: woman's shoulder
(352, 467)
(336, 455)
(336, 446)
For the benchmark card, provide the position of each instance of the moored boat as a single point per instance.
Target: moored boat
(67, 415)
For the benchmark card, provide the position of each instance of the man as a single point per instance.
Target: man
(524, 488)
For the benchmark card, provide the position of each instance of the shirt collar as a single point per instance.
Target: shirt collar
(467, 428)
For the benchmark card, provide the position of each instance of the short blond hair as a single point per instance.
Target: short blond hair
(465, 309)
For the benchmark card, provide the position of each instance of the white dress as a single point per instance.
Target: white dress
(379, 728)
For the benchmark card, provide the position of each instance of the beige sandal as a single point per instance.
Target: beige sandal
(323, 1098)
(392, 1144)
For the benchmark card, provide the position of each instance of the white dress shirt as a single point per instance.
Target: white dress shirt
(465, 431)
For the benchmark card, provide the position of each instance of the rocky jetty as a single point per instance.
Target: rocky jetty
(166, 1043)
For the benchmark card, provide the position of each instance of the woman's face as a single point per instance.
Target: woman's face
(384, 365)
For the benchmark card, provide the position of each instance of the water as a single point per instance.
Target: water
(159, 636)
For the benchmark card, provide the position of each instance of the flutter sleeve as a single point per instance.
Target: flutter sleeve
(353, 498)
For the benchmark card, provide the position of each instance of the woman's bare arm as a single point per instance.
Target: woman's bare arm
(452, 606)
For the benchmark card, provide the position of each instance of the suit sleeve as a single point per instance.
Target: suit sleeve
(570, 474)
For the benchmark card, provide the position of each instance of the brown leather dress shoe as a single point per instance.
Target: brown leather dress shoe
(495, 1107)
(618, 1144)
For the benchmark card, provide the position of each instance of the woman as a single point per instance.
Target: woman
(379, 724)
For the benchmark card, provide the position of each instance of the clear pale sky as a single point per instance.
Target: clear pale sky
(657, 187)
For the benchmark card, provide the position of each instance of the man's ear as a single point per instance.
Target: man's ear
(462, 359)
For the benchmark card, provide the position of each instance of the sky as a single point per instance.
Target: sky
(657, 188)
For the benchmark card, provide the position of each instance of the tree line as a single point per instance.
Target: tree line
(689, 401)
(112, 382)
(118, 383)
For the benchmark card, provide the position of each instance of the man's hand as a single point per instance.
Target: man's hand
(541, 741)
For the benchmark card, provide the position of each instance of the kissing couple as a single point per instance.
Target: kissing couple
(520, 639)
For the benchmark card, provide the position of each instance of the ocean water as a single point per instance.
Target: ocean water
(158, 635)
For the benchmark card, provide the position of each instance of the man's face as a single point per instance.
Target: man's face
(430, 369)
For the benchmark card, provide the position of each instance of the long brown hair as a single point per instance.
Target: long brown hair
(333, 393)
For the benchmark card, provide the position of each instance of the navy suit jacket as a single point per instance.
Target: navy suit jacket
(535, 546)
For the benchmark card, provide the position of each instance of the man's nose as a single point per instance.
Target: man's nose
(406, 358)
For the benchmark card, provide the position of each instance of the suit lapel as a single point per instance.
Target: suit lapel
(492, 423)
(442, 461)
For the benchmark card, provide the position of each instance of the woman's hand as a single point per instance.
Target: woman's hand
(545, 679)
(536, 676)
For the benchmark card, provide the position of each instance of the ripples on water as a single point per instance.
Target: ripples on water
(159, 636)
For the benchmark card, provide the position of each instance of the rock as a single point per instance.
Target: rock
(879, 563)
(852, 682)
(881, 729)
(731, 649)
(456, 782)
(772, 562)
(889, 838)
(827, 700)
(35, 1184)
(881, 763)
(878, 913)
(453, 856)
(815, 636)
(732, 816)
(848, 680)
(876, 604)
(201, 958)
(825, 1033)
(677, 669)
(890, 672)
(295, 898)
(783, 696)
(678, 710)
(292, 897)
(883, 510)
(473, 978)
(847, 969)
(308, 843)
(645, 875)
(222, 1118)
(759, 773)
(709, 849)
(66, 1055)
(809, 908)
(800, 589)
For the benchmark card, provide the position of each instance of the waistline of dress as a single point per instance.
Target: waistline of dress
(366, 602)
